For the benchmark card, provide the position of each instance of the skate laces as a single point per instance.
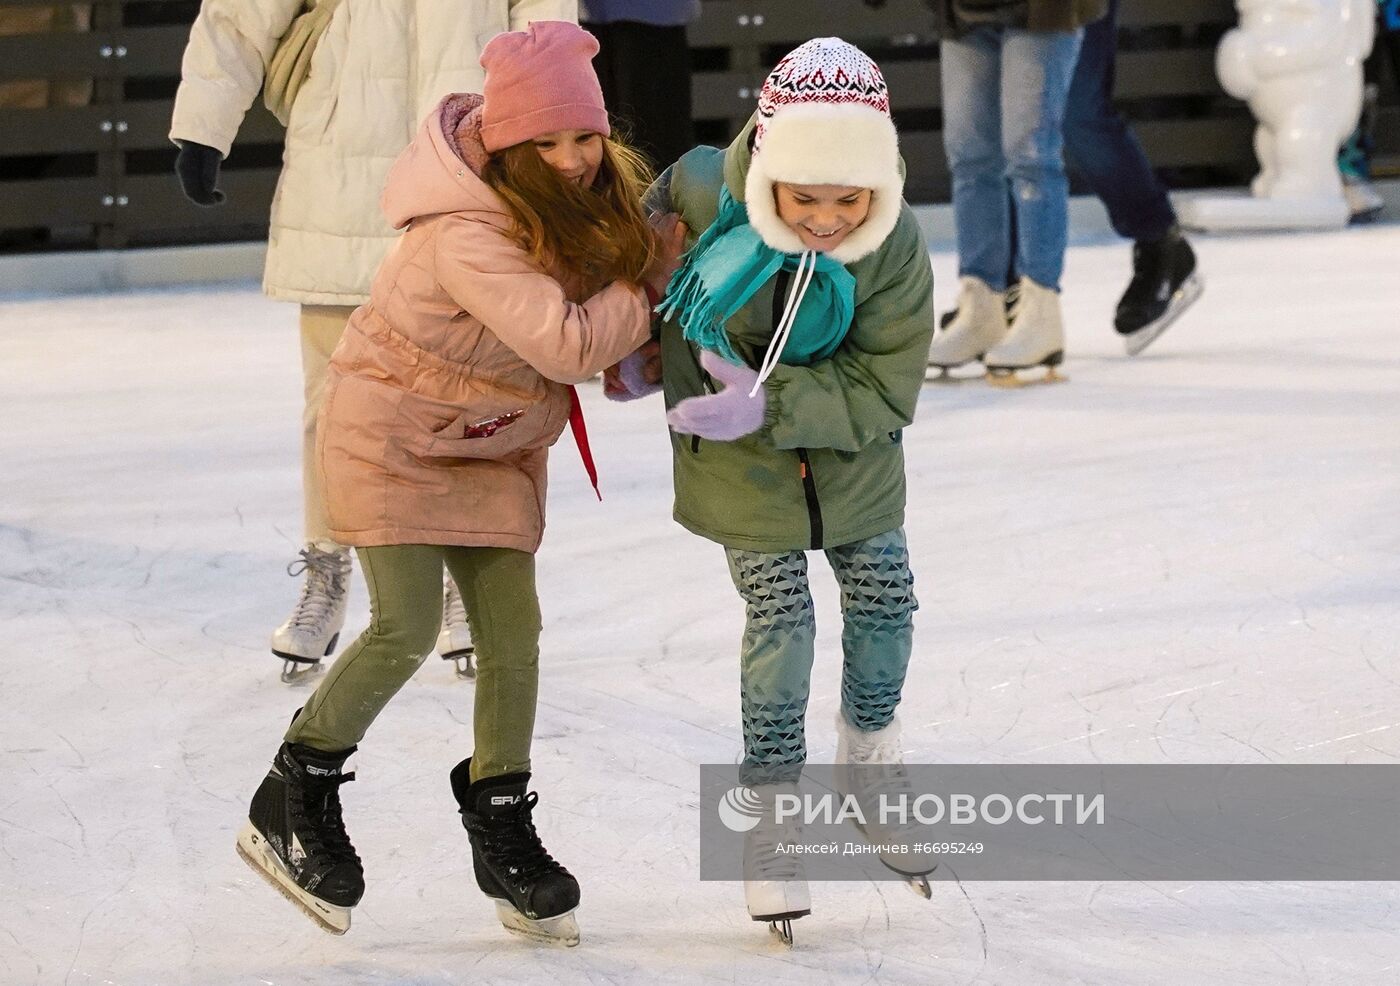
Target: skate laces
(318, 801)
(885, 751)
(323, 588)
(879, 770)
(511, 836)
(765, 862)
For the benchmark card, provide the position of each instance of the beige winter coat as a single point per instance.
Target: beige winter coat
(378, 70)
(461, 326)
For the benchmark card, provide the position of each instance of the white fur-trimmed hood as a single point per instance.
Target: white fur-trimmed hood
(822, 144)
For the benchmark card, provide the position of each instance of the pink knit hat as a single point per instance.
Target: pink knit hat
(538, 81)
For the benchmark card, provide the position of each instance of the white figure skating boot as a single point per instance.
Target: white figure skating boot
(1036, 337)
(455, 639)
(775, 884)
(870, 767)
(978, 325)
(312, 630)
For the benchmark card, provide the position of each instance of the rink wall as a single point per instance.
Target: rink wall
(89, 164)
(86, 272)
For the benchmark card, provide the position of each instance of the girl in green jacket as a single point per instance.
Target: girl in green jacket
(794, 344)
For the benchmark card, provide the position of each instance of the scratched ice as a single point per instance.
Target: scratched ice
(1187, 557)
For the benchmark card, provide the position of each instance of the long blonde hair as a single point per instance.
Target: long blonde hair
(599, 233)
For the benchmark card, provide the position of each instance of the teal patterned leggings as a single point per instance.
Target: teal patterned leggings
(877, 605)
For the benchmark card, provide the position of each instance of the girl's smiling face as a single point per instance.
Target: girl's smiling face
(822, 216)
(575, 154)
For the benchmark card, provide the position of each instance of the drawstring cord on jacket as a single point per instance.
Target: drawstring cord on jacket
(580, 430)
(784, 327)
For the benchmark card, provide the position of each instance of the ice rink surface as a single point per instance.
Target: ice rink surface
(1191, 556)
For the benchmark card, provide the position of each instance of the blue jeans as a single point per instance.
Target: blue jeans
(1004, 94)
(1104, 150)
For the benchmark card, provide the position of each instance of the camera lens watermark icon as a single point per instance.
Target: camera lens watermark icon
(740, 809)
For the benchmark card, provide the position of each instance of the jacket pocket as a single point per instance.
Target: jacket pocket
(436, 430)
(316, 103)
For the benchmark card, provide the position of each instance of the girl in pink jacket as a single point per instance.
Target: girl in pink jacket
(526, 266)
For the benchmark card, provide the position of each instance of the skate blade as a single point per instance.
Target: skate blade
(561, 930)
(898, 867)
(944, 375)
(1186, 296)
(780, 925)
(294, 671)
(1011, 378)
(916, 880)
(943, 372)
(259, 855)
(461, 663)
(296, 668)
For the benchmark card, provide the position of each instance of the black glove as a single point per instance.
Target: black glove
(197, 167)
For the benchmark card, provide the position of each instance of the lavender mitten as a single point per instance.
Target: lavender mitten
(725, 416)
(630, 370)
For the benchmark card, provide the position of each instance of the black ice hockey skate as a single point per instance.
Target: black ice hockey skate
(1164, 285)
(296, 839)
(535, 896)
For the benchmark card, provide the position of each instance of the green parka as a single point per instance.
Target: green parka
(827, 467)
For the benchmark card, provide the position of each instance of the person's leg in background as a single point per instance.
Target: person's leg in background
(313, 629)
(311, 632)
(403, 581)
(1036, 70)
(645, 73)
(1103, 149)
(321, 329)
(970, 68)
(971, 73)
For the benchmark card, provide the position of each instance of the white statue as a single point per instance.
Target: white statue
(1298, 65)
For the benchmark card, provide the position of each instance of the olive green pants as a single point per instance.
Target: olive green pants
(405, 595)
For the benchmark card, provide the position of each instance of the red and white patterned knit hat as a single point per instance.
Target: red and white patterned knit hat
(824, 119)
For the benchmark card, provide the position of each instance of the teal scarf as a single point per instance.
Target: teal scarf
(727, 266)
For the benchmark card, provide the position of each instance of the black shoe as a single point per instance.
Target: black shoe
(296, 836)
(1164, 284)
(510, 862)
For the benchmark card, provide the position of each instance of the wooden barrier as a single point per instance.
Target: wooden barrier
(100, 174)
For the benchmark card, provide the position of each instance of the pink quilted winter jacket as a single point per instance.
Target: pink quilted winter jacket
(461, 327)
